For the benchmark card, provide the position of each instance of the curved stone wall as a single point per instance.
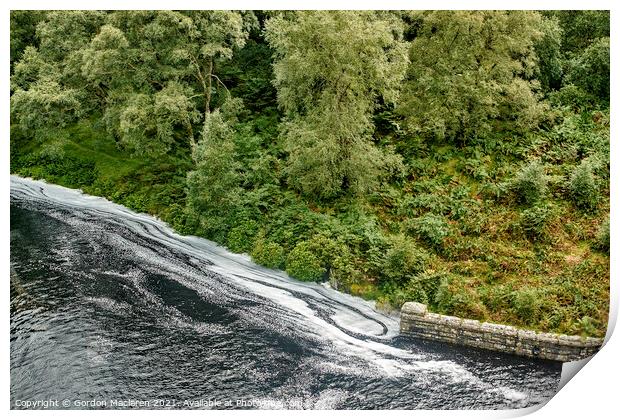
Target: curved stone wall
(416, 321)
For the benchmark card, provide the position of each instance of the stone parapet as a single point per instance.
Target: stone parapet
(416, 321)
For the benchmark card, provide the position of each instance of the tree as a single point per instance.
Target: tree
(581, 27)
(590, 70)
(213, 186)
(469, 71)
(331, 68)
(49, 90)
(584, 57)
(151, 73)
(45, 105)
(549, 53)
(62, 34)
(147, 122)
(23, 27)
(172, 57)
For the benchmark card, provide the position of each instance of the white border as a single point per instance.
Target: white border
(316, 4)
(593, 392)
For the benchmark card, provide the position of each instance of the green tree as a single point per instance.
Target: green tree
(151, 73)
(549, 53)
(212, 187)
(23, 28)
(48, 89)
(46, 104)
(581, 27)
(147, 122)
(64, 33)
(590, 70)
(331, 68)
(470, 70)
(172, 56)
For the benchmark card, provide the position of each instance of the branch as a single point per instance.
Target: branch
(221, 83)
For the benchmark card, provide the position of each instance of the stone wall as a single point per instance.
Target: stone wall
(416, 321)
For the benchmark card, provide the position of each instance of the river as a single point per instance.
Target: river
(112, 309)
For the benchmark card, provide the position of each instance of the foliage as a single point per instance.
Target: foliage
(268, 254)
(429, 156)
(581, 27)
(402, 260)
(171, 56)
(549, 52)
(454, 296)
(69, 170)
(529, 305)
(590, 71)
(534, 220)
(147, 123)
(45, 105)
(530, 183)
(582, 187)
(241, 237)
(213, 184)
(303, 264)
(331, 67)
(572, 98)
(602, 237)
(23, 25)
(421, 287)
(464, 78)
(431, 228)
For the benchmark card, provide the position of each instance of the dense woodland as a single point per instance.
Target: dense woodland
(456, 158)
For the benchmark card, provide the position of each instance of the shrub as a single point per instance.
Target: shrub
(414, 205)
(455, 296)
(582, 187)
(176, 216)
(528, 304)
(530, 183)
(344, 269)
(335, 259)
(586, 326)
(423, 287)
(291, 222)
(602, 237)
(411, 293)
(572, 97)
(241, 237)
(136, 201)
(432, 229)
(268, 254)
(303, 264)
(56, 166)
(402, 260)
(534, 221)
(497, 297)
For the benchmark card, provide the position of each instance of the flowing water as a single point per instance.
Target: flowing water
(111, 308)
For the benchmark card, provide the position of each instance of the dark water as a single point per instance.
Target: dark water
(109, 306)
